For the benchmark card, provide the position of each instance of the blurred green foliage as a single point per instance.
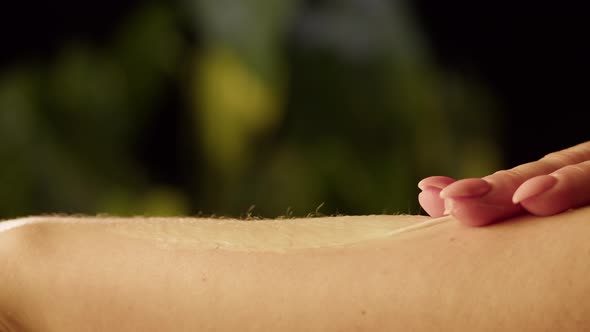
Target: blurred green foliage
(284, 105)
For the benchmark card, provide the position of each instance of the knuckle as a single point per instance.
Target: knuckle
(573, 170)
(569, 156)
(509, 173)
(560, 157)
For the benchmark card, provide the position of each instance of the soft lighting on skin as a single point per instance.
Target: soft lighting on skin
(247, 235)
(269, 235)
(11, 224)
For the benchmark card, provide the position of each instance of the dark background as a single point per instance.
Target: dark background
(532, 57)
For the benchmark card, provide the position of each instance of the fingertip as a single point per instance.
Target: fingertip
(476, 212)
(466, 188)
(430, 202)
(533, 187)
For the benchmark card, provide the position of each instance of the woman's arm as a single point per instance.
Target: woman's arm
(170, 275)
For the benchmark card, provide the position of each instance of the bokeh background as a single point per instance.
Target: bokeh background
(276, 108)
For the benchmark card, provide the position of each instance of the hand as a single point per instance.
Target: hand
(555, 183)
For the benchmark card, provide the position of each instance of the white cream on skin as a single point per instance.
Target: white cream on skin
(249, 235)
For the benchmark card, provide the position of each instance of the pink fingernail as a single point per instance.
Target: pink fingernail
(466, 188)
(534, 187)
(422, 184)
(435, 181)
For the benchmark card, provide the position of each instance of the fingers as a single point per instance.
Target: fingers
(429, 198)
(479, 202)
(533, 187)
(435, 181)
(566, 188)
(431, 202)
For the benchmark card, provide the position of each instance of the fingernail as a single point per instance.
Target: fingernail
(435, 181)
(467, 188)
(534, 187)
(422, 184)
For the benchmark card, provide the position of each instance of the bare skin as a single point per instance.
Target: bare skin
(366, 273)
(555, 183)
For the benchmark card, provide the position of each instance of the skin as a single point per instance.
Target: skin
(557, 182)
(420, 274)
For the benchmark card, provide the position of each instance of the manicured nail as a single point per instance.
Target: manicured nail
(467, 188)
(435, 181)
(534, 187)
(424, 184)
